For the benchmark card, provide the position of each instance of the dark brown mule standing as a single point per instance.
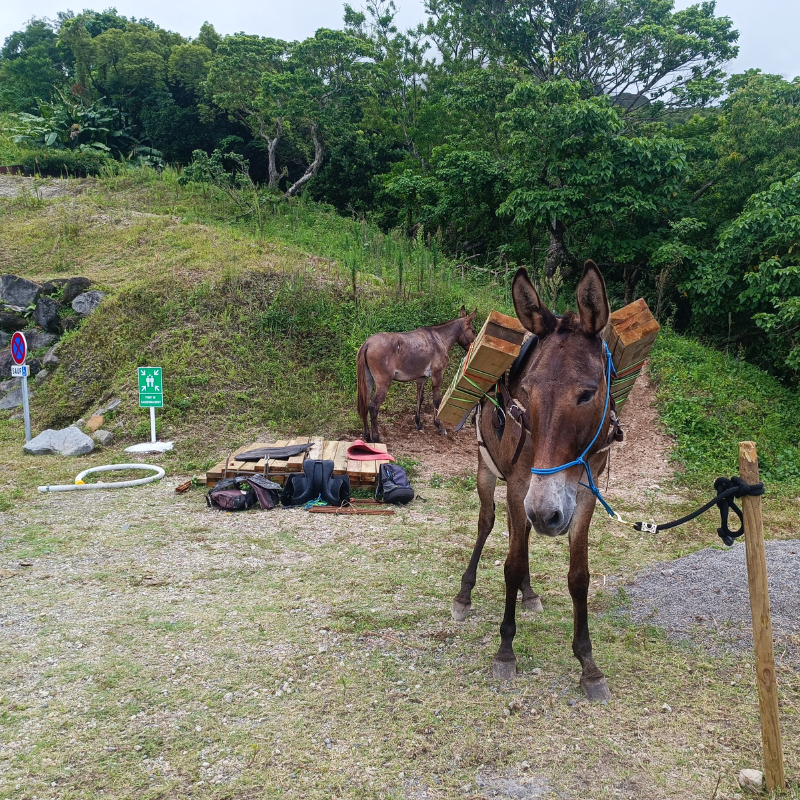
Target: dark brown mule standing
(563, 386)
(413, 356)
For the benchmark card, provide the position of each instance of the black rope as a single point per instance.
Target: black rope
(728, 489)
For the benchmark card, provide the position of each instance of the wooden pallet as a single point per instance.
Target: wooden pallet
(630, 335)
(361, 473)
(491, 354)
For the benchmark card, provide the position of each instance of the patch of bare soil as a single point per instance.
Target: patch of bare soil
(639, 463)
(16, 185)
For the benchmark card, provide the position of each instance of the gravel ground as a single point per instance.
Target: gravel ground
(703, 597)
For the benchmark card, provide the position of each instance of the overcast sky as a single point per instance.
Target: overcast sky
(768, 29)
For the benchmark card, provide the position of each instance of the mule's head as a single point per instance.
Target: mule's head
(565, 388)
(466, 336)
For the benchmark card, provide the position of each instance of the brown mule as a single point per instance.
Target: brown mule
(563, 387)
(413, 356)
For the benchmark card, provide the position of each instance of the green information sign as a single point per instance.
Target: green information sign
(151, 388)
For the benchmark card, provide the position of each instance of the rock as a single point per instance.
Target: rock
(37, 339)
(17, 416)
(41, 376)
(11, 383)
(666, 709)
(84, 304)
(109, 406)
(10, 321)
(5, 339)
(18, 291)
(13, 399)
(103, 438)
(50, 358)
(80, 423)
(70, 323)
(74, 287)
(34, 367)
(68, 442)
(94, 423)
(49, 288)
(228, 697)
(6, 362)
(751, 779)
(45, 315)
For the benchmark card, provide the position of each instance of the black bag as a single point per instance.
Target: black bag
(317, 481)
(242, 492)
(393, 485)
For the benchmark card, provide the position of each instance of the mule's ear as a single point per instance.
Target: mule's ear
(463, 312)
(471, 316)
(592, 300)
(531, 312)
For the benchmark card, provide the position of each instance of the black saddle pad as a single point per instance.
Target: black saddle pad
(274, 452)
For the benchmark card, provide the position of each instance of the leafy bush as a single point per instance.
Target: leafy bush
(710, 401)
(58, 163)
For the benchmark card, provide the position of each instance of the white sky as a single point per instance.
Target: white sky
(768, 28)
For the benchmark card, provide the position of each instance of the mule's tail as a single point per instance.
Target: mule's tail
(363, 389)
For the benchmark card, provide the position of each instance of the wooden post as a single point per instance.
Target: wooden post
(762, 623)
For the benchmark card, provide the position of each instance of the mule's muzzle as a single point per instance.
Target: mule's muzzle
(550, 504)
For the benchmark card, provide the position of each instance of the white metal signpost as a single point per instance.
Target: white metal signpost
(151, 393)
(19, 352)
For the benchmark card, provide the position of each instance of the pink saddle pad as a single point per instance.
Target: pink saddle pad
(361, 451)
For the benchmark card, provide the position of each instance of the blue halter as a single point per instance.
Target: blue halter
(581, 459)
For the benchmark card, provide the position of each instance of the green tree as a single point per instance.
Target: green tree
(632, 50)
(754, 275)
(31, 67)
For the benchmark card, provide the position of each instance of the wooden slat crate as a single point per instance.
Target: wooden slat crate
(492, 353)
(361, 473)
(630, 335)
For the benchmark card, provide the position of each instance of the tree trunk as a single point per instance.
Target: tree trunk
(272, 146)
(631, 277)
(558, 255)
(313, 167)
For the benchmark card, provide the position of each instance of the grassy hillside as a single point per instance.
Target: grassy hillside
(257, 331)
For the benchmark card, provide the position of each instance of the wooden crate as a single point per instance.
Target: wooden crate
(491, 354)
(361, 473)
(630, 335)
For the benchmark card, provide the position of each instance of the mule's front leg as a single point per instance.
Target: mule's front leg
(486, 486)
(593, 682)
(504, 666)
(420, 393)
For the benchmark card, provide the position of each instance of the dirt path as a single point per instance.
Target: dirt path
(640, 463)
(45, 188)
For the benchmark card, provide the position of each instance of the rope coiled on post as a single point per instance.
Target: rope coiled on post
(728, 490)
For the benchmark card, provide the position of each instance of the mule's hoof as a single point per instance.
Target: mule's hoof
(460, 612)
(596, 690)
(533, 604)
(441, 431)
(504, 670)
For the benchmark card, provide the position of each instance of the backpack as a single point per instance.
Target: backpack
(393, 485)
(317, 481)
(230, 495)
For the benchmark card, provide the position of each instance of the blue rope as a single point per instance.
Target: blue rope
(581, 459)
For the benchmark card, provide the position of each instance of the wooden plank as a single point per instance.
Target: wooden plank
(340, 458)
(762, 624)
(280, 465)
(329, 451)
(295, 463)
(316, 451)
(501, 326)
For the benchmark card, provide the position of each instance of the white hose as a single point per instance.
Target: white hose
(79, 485)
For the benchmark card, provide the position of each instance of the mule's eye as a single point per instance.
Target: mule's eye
(586, 397)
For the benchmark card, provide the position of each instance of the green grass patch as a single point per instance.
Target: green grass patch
(710, 401)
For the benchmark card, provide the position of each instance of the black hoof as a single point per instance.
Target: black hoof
(504, 670)
(460, 611)
(596, 689)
